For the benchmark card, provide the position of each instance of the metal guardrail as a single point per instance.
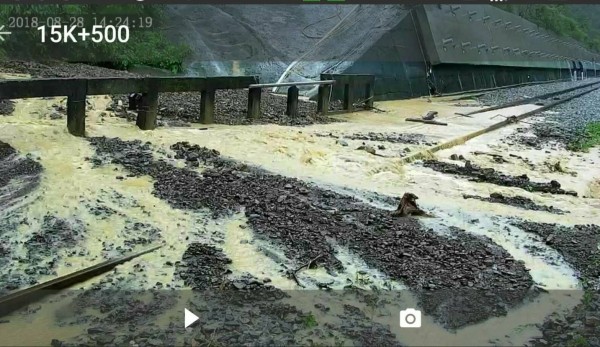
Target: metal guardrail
(255, 91)
(76, 90)
(291, 84)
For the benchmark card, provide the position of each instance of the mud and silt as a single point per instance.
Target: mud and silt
(580, 247)
(308, 222)
(516, 201)
(490, 175)
(232, 311)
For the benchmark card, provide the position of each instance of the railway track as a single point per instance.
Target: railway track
(529, 100)
(509, 120)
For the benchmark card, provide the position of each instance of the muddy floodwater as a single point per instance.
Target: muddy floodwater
(239, 209)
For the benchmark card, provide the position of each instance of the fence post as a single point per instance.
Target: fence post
(323, 98)
(348, 97)
(207, 106)
(146, 118)
(254, 103)
(292, 101)
(369, 94)
(76, 105)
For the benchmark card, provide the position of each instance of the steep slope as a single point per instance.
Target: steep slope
(249, 39)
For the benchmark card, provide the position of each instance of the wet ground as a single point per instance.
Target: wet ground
(285, 235)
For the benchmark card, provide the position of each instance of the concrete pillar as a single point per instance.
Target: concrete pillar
(207, 106)
(76, 110)
(254, 103)
(348, 97)
(292, 101)
(369, 95)
(148, 110)
(323, 98)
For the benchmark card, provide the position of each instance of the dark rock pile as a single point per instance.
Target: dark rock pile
(489, 175)
(6, 107)
(139, 234)
(60, 69)
(203, 267)
(55, 234)
(303, 220)
(407, 138)
(231, 107)
(516, 201)
(24, 170)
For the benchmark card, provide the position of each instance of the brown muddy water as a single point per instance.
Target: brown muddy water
(70, 183)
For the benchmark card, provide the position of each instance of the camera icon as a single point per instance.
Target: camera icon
(410, 318)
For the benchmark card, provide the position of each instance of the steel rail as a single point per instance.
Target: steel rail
(21, 297)
(509, 120)
(527, 100)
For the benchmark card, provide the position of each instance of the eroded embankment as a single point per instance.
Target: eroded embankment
(460, 280)
(580, 246)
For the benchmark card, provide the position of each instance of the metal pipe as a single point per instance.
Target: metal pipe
(289, 84)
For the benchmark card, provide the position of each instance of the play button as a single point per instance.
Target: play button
(189, 317)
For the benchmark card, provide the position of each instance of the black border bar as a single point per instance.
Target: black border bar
(294, 2)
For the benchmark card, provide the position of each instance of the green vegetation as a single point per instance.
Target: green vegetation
(561, 20)
(579, 341)
(588, 139)
(146, 46)
(310, 321)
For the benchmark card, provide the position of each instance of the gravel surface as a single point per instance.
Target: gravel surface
(562, 125)
(580, 246)
(461, 279)
(490, 175)
(502, 96)
(231, 108)
(516, 201)
(60, 69)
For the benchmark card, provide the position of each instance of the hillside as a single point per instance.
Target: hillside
(579, 22)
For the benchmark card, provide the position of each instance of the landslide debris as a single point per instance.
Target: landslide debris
(407, 138)
(580, 247)
(490, 175)
(516, 201)
(307, 221)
